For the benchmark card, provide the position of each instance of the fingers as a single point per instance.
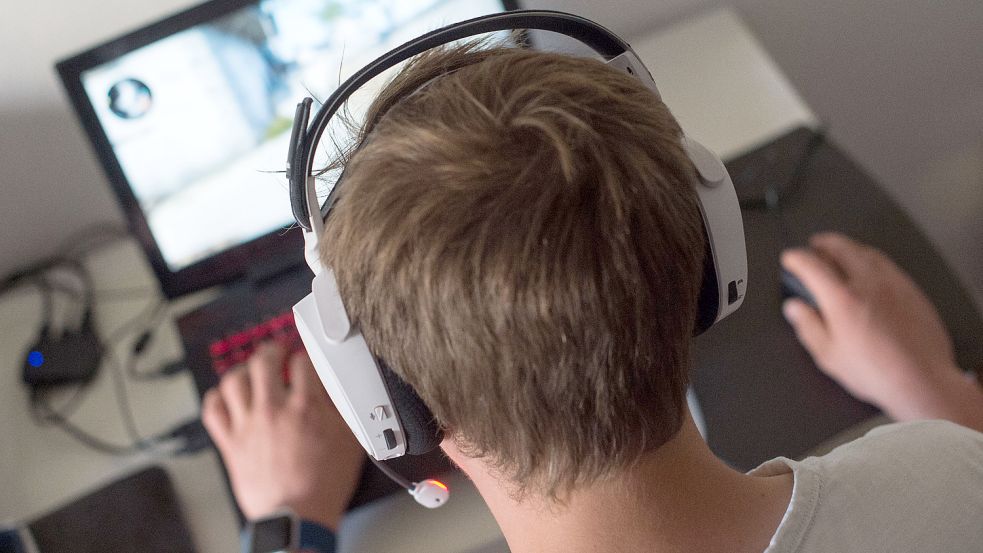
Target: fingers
(303, 377)
(809, 327)
(265, 374)
(851, 256)
(818, 275)
(215, 415)
(236, 393)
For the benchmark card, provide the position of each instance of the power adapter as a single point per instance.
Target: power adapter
(72, 358)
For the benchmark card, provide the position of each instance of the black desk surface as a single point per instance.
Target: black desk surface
(760, 393)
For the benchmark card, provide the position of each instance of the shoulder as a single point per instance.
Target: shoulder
(882, 491)
(928, 431)
(920, 445)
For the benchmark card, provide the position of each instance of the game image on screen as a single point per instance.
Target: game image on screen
(200, 120)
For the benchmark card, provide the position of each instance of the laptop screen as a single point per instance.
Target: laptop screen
(196, 121)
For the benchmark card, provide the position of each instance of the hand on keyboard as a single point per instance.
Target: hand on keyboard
(283, 446)
(236, 349)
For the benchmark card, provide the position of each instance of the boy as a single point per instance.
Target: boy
(520, 241)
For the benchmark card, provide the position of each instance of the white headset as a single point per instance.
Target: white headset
(383, 411)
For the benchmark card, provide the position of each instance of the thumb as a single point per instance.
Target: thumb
(809, 327)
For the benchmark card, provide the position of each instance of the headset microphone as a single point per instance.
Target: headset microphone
(430, 493)
(384, 412)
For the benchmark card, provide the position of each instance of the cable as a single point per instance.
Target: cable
(393, 475)
(123, 398)
(44, 415)
(153, 318)
(91, 239)
(188, 437)
(74, 401)
(44, 276)
(111, 294)
(776, 192)
(193, 441)
(151, 312)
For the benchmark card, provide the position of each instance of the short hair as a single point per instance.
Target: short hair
(518, 237)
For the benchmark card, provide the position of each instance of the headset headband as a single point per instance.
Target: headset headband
(304, 140)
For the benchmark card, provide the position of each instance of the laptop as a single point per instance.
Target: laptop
(190, 118)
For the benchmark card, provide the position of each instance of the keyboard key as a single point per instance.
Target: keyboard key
(237, 348)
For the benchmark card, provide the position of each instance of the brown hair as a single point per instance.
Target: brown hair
(518, 237)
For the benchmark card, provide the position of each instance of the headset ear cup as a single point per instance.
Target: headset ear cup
(423, 434)
(708, 303)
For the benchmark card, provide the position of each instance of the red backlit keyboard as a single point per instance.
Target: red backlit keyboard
(235, 349)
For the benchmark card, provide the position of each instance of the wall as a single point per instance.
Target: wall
(897, 83)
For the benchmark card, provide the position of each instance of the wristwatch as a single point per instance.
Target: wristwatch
(284, 532)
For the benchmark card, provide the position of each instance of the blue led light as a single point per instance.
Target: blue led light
(35, 358)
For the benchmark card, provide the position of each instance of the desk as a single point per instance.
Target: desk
(760, 393)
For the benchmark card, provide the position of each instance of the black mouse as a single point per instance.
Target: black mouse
(792, 287)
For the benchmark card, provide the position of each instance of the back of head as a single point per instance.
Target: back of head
(518, 237)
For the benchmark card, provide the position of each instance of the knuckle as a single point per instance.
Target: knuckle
(234, 376)
(851, 298)
(232, 381)
(207, 416)
(226, 384)
(210, 401)
(254, 371)
(301, 402)
(257, 361)
(265, 410)
(874, 258)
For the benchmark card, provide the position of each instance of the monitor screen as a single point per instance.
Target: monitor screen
(196, 120)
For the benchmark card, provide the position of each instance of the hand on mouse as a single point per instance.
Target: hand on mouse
(283, 446)
(877, 334)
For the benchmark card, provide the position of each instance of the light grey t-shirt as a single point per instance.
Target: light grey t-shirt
(911, 487)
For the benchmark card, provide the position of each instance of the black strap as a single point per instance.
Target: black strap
(301, 156)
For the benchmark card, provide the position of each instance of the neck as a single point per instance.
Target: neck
(668, 502)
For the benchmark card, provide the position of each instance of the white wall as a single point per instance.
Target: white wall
(897, 81)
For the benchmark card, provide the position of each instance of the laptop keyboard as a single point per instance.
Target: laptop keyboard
(235, 349)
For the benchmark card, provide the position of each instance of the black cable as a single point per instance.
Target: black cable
(776, 192)
(110, 294)
(43, 412)
(40, 276)
(123, 398)
(151, 321)
(44, 415)
(148, 315)
(80, 296)
(151, 312)
(91, 239)
(189, 436)
(395, 476)
(70, 406)
(47, 302)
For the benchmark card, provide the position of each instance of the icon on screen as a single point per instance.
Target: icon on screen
(130, 98)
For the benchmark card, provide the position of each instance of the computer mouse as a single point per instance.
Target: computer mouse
(792, 287)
